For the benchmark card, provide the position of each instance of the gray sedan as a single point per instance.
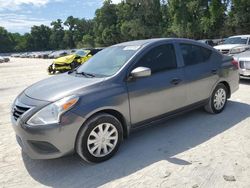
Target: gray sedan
(91, 109)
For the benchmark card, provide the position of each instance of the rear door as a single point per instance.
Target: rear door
(200, 70)
(161, 92)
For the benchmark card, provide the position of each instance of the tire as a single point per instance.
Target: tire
(51, 70)
(216, 106)
(90, 132)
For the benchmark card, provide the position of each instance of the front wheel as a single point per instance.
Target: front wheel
(218, 100)
(51, 69)
(99, 138)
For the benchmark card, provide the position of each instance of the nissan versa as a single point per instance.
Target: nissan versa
(91, 109)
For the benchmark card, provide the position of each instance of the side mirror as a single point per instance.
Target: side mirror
(140, 72)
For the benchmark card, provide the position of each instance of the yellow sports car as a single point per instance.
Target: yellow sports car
(70, 62)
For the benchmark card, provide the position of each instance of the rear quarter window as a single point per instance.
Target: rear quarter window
(194, 54)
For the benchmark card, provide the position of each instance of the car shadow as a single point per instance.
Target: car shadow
(143, 148)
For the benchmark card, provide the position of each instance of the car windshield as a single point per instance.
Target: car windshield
(81, 53)
(236, 40)
(108, 61)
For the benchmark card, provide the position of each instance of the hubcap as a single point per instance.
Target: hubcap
(219, 99)
(102, 139)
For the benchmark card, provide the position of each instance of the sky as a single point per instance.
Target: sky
(20, 15)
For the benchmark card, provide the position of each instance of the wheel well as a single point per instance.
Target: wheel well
(119, 116)
(228, 88)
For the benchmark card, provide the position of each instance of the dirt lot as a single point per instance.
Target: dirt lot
(194, 150)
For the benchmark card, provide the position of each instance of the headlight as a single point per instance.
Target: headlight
(51, 113)
(237, 50)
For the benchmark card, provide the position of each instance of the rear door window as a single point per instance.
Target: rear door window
(194, 54)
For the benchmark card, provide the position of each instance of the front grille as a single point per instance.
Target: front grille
(245, 65)
(225, 51)
(19, 110)
(242, 64)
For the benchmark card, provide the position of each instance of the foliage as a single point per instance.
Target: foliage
(136, 19)
(6, 40)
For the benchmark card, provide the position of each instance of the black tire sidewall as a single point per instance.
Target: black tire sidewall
(219, 86)
(82, 148)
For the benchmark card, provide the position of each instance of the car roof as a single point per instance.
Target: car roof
(204, 39)
(154, 40)
(140, 42)
(240, 36)
(147, 42)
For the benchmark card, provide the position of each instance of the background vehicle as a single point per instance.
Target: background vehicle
(24, 55)
(1, 59)
(207, 41)
(57, 54)
(233, 42)
(45, 55)
(123, 87)
(69, 62)
(15, 55)
(4, 59)
(244, 63)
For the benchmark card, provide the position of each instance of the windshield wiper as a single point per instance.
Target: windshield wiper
(86, 74)
(71, 71)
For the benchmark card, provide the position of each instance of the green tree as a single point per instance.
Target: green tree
(105, 24)
(140, 19)
(40, 36)
(213, 21)
(20, 42)
(57, 34)
(83, 27)
(186, 17)
(69, 37)
(87, 42)
(6, 41)
(239, 17)
(68, 41)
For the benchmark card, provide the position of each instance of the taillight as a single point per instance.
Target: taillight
(235, 63)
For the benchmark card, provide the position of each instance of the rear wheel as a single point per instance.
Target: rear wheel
(99, 138)
(218, 100)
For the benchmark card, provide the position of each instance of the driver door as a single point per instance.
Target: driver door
(160, 93)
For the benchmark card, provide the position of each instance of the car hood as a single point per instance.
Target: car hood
(65, 59)
(245, 54)
(57, 87)
(227, 46)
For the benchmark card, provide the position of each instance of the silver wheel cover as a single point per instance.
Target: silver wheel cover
(102, 140)
(219, 99)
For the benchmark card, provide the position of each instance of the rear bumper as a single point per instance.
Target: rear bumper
(48, 141)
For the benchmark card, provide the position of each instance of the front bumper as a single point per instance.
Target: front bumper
(244, 72)
(48, 141)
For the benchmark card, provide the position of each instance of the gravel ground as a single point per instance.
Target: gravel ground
(194, 150)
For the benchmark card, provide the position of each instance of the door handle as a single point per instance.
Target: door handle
(175, 81)
(214, 71)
